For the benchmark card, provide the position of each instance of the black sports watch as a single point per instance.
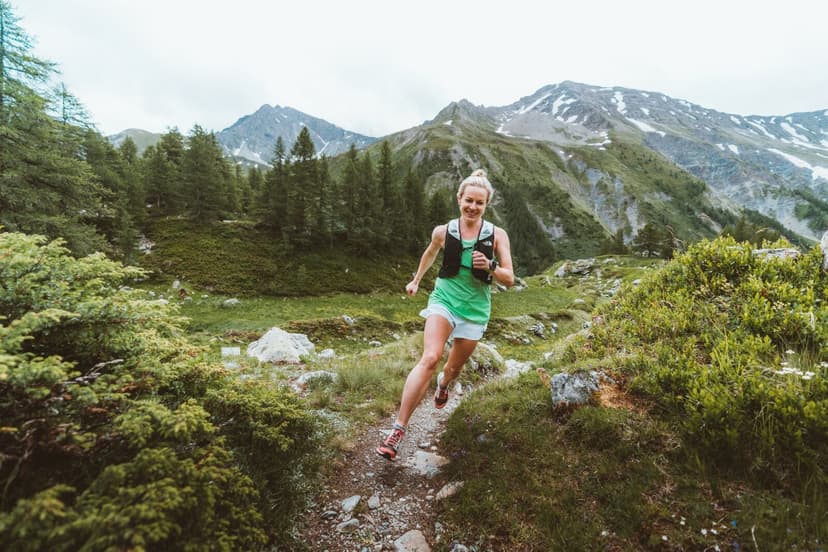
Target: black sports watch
(493, 264)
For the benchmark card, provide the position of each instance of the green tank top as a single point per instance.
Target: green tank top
(464, 295)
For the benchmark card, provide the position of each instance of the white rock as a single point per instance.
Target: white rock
(426, 463)
(350, 503)
(348, 526)
(412, 541)
(514, 368)
(278, 345)
(374, 502)
(230, 351)
(303, 380)
(232, 302)
(176, 284)
(449, 489)
(327, 353)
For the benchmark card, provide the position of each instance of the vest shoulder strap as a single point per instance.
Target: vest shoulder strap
(453, 228)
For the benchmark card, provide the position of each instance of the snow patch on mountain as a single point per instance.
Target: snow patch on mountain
(561, 101)
(816, 172)
(618, 100)
(645, 127)
(534, 104)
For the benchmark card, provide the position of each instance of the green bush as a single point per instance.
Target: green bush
(115, 434)
(733, 347)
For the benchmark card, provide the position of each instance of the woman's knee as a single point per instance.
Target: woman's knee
(429, 360)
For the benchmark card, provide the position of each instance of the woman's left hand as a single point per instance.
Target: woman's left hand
(480, 261)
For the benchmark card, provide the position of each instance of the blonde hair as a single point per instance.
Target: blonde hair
(478, 179)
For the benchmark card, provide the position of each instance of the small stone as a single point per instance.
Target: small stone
(348, 526)
(449, 489)
(374, 502)
(424, 445)
(350, 503)
(426, 463)
(328, 514)
(412, 541)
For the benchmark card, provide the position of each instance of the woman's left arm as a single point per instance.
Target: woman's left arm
(504, 272)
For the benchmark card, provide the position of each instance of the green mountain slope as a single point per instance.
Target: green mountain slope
(557, 201)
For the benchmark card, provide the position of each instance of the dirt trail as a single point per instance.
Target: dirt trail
(395, 497)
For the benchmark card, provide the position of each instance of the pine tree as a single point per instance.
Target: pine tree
(274, 192)
(326, 214)
(46, 186)
(114, 218)
(131, 172)
(20, 73)
(388, 208)
(413, 213)
(303, 189)
(366, 226)
(648, 241)
(206, 177)
(349, 189)
(163, 172)
(615, 244)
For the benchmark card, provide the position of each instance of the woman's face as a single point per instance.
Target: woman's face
(473, 202)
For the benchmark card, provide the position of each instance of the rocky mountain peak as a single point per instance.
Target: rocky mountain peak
(253, 137)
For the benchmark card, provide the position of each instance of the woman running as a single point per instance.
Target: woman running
(475, 252)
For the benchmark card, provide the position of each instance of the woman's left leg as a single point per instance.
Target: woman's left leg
(460, 352)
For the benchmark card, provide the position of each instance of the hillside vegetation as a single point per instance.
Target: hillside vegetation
(714, 436)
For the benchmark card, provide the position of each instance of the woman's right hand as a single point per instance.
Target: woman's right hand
(411, 288)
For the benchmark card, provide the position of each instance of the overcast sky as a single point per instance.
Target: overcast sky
(376, 67)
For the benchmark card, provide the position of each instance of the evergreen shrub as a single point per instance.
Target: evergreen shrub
(733, 347)
(116, 434)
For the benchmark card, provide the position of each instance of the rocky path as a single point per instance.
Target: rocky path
(373, 504)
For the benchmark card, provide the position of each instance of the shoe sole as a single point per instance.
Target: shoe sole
(385, 454)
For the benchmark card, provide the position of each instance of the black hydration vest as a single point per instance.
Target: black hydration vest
(454, 247)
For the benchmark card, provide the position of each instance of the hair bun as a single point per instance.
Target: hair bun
(479, 172)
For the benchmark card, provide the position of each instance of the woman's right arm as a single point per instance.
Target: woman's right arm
(438, 239)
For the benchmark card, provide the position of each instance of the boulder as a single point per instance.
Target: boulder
(576, 388)
(515, 368)
(581, 266)
(278, 345)
(229, 303)
(486, 360)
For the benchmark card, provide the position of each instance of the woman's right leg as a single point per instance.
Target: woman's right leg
(437, 331)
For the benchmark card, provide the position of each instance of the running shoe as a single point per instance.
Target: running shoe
(388, 448)
(441, 395)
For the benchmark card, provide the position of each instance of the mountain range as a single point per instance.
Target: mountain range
(574, 163)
